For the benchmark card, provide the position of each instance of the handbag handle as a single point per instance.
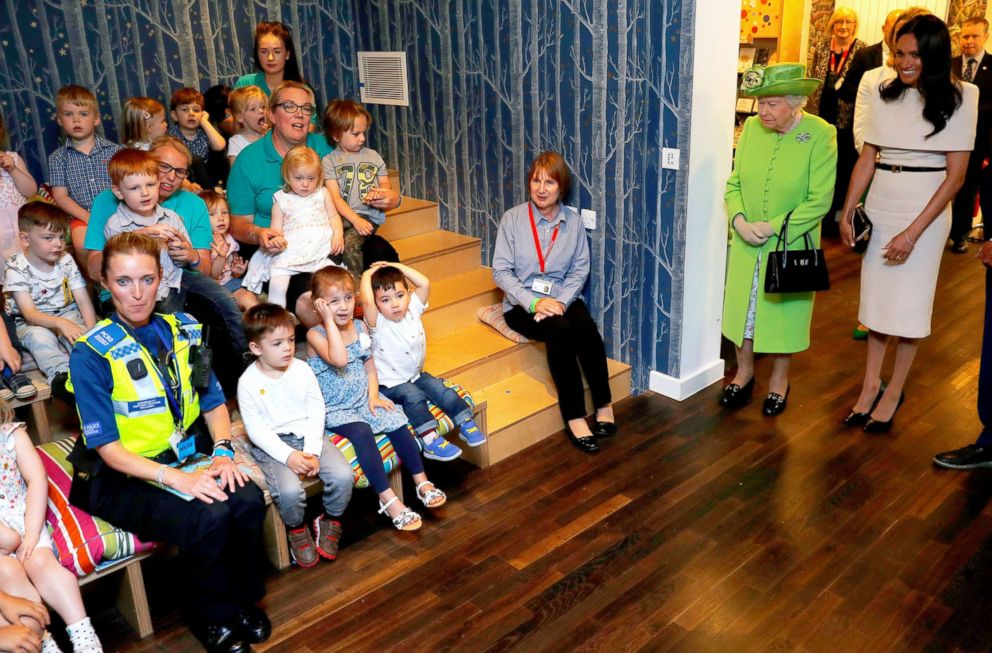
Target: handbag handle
(783, 240)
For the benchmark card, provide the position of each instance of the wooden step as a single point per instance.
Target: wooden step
(412, 217)
(474, 355)
(522, 409)
(440, 254)
(455, 301)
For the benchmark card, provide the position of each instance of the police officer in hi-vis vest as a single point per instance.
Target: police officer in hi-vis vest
(147, 399)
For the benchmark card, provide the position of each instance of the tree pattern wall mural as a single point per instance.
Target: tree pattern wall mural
(122, 49)
(606, 83)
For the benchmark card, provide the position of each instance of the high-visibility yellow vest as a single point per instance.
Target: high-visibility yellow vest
(141, 407)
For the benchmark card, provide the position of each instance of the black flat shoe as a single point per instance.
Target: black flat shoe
(219, 637)
(875, 426)
(971, 457)
(859, 419)
(775, 403)
(735, 396)
(585, 444)
(604, 429)
(254, 624)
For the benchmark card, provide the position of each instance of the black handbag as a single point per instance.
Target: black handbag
(862, 226)
(797, 270)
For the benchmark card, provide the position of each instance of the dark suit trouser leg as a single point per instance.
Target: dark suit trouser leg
(985, 369)
(963, 208)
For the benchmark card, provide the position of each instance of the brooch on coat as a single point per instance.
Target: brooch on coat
(803, 137)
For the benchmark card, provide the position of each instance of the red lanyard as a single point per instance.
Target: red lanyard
(541, 256)
(834, 67)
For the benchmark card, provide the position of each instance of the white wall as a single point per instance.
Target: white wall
(714, 94)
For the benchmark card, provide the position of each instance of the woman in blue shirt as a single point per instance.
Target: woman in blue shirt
(541, 262)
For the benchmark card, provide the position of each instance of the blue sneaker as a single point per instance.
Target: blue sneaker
(470, 432)
(440, 449)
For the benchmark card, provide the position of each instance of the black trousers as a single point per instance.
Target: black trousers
(985, 366)
(977, 181)
(221, 554)
(572, 341)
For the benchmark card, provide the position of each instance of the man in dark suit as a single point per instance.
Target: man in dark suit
(975, 66)
(979, 454)
(867, 59)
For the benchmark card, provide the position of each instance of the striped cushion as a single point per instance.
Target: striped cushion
(82, 542)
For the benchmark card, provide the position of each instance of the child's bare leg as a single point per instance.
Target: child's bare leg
(56, 584)
(9, 540)
(14, 581)
(278, 286)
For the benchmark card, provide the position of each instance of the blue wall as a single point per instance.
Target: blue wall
(493, 82)
(150, 47)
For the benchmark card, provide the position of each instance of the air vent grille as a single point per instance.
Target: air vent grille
(382, 77)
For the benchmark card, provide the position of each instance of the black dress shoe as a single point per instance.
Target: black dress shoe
(775, 403)
(859, 419)
(604, 429)
(254, 624)
(875, 426)
(735, 396)
(586, 444)
(959, 247)
(219, 637)
(971, 457)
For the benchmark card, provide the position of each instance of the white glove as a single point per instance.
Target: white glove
(749, 231)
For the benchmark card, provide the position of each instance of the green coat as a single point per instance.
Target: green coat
(773, 175)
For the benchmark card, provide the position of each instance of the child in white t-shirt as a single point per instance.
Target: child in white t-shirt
(399, 346)
(248, 111)
(46, 292)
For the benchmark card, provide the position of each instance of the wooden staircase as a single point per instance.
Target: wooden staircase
(516, 399)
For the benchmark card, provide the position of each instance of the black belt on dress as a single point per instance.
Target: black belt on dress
(898, 168)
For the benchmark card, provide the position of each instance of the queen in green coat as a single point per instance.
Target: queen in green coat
(786, 163)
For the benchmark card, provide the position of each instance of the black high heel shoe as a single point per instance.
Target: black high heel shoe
(585, 444)
(775, 403)
(735, 396)
(859, 419)
(875, 426)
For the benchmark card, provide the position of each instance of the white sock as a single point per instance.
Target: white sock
(278, 286)
(83, 637)
(429, 437)
(48, 644)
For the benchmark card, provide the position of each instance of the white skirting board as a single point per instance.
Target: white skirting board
(685, 387)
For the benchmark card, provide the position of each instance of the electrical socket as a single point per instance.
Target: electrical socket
(670, 158)
(589, 219)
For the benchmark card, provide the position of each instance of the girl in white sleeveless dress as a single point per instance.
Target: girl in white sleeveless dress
(310, 226)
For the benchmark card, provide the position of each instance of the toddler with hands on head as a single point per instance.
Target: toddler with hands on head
(394, 297)
(309, 228)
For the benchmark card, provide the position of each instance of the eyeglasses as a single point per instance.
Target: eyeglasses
(293, 107)
(845, 21)
(164, 170)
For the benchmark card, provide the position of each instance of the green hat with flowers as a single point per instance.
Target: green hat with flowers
(777, 79)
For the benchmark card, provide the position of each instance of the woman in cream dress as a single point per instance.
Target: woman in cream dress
(921, 127)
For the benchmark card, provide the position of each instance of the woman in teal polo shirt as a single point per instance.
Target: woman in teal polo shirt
(275, 61)
(257, 175)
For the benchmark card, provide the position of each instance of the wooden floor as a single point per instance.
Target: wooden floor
(693, 530)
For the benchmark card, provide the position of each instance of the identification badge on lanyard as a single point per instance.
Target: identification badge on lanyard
(541, 286)
(183, 444)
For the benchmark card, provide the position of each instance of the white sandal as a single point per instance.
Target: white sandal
(407, 520)
(432, 498)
